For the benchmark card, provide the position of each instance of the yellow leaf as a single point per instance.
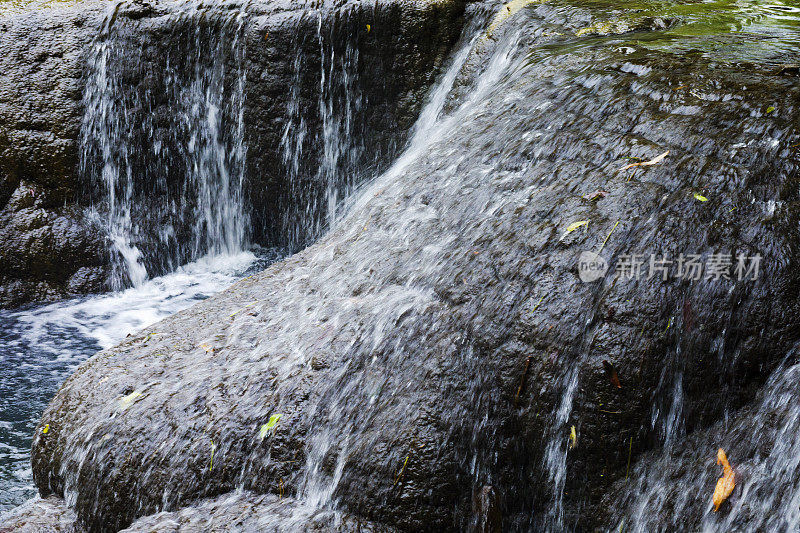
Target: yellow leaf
(400, 474)
(127, 401)
(213, 448)
(575, 225)
(271, 423)
(770, 109)
(698, 196)
(653, 161)
(573, 437)
(45, 429)
(726, 483)
(368, 28)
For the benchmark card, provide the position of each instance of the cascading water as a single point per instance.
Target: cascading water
(166, 184)
(166, 188)
(323, 165)
(319, 485)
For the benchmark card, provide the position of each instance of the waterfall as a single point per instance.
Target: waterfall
(325, 163)
(166, 184)
(318, 488)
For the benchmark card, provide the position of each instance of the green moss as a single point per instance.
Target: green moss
(724, 28)
(11, 7)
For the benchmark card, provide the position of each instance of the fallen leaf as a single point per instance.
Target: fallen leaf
(127, 401)
(573, 437)
(575, 225)
(608, 237)
(770, 109)
(698, 196)
(726, 483)
(611, 372)
(653, 161)
(45, 429)
(271, 423)
(248, 306)
(368, 28)
(206, 347)
(596, 195)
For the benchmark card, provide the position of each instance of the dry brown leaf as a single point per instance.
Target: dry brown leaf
(596, 195)
(726, 483)
(653, 161)
(611, 372)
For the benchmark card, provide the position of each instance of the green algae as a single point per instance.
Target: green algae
(12, 7)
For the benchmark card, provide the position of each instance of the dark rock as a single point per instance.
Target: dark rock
(42, 53)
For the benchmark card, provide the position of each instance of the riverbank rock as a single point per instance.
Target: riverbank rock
(44, 240)
(51, 246)
(437, 356)
(40, 514)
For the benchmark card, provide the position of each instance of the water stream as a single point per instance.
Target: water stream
(41, 345)
(323, 166)
(166, 184)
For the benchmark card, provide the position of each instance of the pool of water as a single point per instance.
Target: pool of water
(41, 346)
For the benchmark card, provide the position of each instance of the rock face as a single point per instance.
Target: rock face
(46, 248)
(40, 514)
(435, 359)
(51, 247)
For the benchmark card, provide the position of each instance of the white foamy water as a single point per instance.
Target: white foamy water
(42, 345)
(108, 318)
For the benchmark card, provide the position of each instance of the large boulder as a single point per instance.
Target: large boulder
(50, 175)
(436, 360)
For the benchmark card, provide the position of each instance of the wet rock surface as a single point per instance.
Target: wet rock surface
(439, 340)
(44, 240)
(57, 249)
(40, 514)
(243, 511)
